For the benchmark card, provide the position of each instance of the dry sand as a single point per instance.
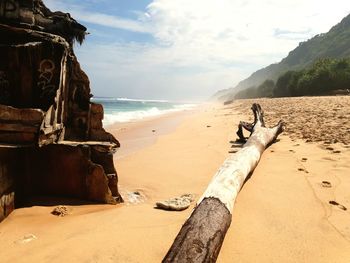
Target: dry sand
(282, 214)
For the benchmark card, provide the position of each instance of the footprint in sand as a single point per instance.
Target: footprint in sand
(326, 184)
(338, 205)
(303, 159)
(303, 170)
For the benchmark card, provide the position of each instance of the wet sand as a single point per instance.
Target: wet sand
(282, 214)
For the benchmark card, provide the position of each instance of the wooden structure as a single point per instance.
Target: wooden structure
(51, 137)
(202, 235)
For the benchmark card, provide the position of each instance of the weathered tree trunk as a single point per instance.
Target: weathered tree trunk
(202, 235)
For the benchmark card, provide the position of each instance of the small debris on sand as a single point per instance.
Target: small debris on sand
(60, 211)
(176, 203)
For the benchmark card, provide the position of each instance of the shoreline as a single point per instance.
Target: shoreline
(281, 214)
(136, 135)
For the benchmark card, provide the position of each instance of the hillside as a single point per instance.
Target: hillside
(333, 44)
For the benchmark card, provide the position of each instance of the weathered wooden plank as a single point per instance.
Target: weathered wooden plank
(35, 35)
(103, 136)
(18, 127)
(7, 204)
(17, 138)
(30, 116)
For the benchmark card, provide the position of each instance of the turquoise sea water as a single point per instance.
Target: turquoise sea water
(124, 110)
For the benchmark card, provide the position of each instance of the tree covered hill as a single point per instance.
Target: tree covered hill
(333, 44)
(325, 77)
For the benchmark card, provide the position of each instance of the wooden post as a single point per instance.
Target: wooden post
(202, 235)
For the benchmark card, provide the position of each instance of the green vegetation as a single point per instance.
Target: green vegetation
(334, 44)
(325, 76)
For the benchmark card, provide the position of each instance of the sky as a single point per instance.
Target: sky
(186, 50)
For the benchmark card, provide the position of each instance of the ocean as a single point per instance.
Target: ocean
(117, 110)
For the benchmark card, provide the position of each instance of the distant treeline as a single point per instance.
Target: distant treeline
(325, 76)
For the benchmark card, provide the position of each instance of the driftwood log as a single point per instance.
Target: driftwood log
(202, 235)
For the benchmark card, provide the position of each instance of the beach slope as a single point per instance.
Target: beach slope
(282, 214)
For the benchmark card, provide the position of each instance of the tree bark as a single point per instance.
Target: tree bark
(202, 235)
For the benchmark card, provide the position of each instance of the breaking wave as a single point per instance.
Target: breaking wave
(126, 116)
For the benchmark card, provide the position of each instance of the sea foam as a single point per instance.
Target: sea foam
(118, 110)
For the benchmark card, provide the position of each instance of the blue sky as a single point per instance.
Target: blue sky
(186, 50)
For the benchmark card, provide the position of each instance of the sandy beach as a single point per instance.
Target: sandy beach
(282, 214)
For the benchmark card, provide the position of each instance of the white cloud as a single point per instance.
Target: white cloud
(240, 30)
(149, 71)
(201, 45)
(111, 21)
(80, 13)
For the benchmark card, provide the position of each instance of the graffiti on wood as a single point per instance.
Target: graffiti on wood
(9, 8)
(46, 86)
